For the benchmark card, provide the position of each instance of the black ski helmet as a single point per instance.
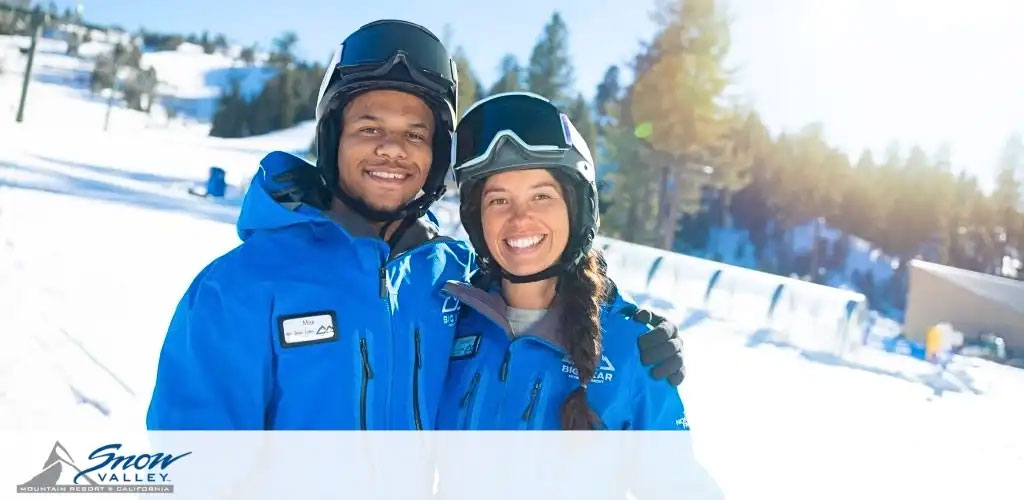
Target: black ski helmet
(520, 131)
(395, 55)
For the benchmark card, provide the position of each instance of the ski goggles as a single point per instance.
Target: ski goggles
(541, 134)
(373, 52)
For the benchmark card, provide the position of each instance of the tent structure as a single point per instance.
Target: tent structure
(974, 303)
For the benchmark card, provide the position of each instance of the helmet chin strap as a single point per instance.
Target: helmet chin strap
(416, 208)
(550, 272)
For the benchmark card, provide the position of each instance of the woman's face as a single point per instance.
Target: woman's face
(525, 220)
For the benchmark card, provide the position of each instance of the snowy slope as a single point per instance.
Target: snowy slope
(99, 239)
(191, 81)
(190, 84)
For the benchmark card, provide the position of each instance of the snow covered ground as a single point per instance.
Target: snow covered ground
(99, 239)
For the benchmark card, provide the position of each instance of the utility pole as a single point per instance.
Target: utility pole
(118, 53)
(37, 28)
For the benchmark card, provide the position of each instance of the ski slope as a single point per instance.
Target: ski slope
(99, 238)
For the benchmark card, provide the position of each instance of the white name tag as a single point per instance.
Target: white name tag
(465, 347)
(308, 328)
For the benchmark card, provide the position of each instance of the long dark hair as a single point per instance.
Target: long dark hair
(583, 292)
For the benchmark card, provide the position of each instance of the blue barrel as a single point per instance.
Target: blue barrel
(215, 186)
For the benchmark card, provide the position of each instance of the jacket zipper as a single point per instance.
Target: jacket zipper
(503, 372)
(383, 282)
(409, 251)
(416, 383)
(528, 414)
(367, 375)
(467, 400)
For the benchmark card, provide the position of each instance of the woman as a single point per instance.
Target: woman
(543, 340)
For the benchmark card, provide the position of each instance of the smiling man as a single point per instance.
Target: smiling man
(385, 148)
(330, 314)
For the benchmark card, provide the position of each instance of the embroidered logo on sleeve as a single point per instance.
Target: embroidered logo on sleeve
(307, 328)
(465, 347)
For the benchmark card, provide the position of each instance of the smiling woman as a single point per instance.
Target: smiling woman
(545, 341)
(525, 220)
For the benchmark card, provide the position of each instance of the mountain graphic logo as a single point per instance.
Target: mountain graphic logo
(59, 469)
(324, 330)
(604, 372)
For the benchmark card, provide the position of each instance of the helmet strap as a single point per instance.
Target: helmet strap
(550, 272)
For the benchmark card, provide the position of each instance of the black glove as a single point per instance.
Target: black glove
(661, 347)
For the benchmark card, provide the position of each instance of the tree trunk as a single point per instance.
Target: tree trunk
(726, 208)
(674, 212)
(629, 233)
(665, 209)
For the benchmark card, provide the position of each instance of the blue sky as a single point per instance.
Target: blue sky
(917, 71)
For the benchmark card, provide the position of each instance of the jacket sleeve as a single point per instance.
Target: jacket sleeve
(215, 365)
(658, 405)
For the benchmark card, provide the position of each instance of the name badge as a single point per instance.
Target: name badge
(307, 328)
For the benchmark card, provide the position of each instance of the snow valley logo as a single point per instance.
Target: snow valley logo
(605, 372)
(108, 472)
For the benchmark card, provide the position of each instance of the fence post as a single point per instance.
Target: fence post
(711, 286)
(776, 295)
(654, 269)
(852, 308)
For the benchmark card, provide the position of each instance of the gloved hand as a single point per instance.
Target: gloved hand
(661, 347)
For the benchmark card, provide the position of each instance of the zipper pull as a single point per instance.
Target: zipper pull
(383, 282)
(469, 393)
(533, 401)
(366, 359)
(416, 336)
(503, 372)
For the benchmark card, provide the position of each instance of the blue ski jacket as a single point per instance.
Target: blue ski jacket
(501, 381)
(311, 323)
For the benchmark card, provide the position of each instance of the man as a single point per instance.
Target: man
(329, 315)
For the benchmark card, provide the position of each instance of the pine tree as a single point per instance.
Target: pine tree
(630, 180)
(919, 215)
(511, 79)
(863, 206)
(220, 43)
(810, 187)
(608, 93)
(675, 98)
(749, 204)
(289, 98)
(732, 158)
(550, 72)
(581, 118)
(230, 120)
(284, 45)
(469, 86)
(1006, 198)
(248, 55)
(204, 40)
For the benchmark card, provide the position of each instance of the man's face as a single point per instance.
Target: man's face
(385, 149)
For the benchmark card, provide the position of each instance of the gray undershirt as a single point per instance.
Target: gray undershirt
(523, 319)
